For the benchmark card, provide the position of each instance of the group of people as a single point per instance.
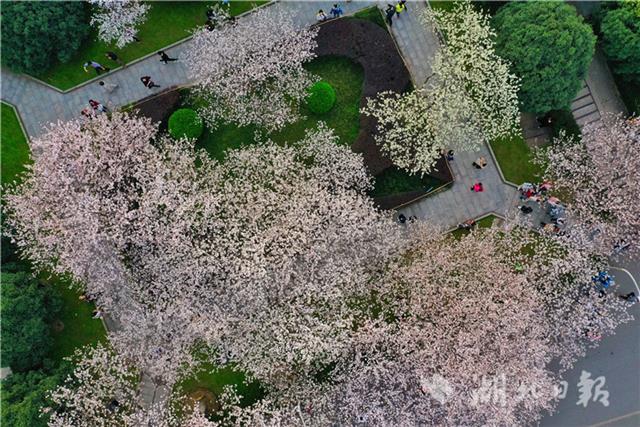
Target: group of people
(552, 206)
(335, 12)
(395, 10)
(97, 107)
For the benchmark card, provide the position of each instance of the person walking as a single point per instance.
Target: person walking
(146, 80)
(96, 66)
(108, 87)
(400, 7)
(630, 297)
(389, 14)
(165, 58)
(336, 11)
(113, 57)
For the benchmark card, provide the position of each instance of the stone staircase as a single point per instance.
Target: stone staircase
(584, 108)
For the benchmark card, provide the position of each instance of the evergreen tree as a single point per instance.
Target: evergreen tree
(550, 47)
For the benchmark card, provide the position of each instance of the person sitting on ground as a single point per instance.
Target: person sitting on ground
(525, 209)
(480, 163)
(402, 219)
(477, 187)
(320, 16)
(467, 225)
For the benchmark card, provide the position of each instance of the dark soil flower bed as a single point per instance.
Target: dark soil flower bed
(372, 47)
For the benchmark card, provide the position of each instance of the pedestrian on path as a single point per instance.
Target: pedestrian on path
(477, 187)
(400, 7)
(96, 66)
(108, 87)
(165, 58)
(113, 57)
(525, 209)
(320, 16)
(449, 155)
(402, 219)
(98, 106)
(146, 80)
(87, 112)
(389, 14)
(336, 11)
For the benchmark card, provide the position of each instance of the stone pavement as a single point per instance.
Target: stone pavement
(39, 104)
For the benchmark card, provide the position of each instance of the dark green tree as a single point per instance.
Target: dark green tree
(26, 309)
(36, 34)
(25, 393)
(620, 30)
(550, 47)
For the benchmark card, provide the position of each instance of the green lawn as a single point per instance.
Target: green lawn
(167, 23)
(394, 180)
(79, 327)
(214, 380)
(14, 151)
(344, 75)
(514, 157)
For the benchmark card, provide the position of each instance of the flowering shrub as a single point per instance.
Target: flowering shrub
(321, 98)
(117, 20)
(185, 123)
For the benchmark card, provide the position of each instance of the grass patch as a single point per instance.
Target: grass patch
(373, 14)
(444, 5)
(515, 159)
(485, 222)
(167, 23)
(215, 379)
(345, 76)
(395, 180)
(80, 328)
(14, 149)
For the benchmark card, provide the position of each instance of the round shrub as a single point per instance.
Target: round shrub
(185, 123)
(321, 98)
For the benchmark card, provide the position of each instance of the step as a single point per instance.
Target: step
(583, 92)
(584, 111)
(581, 102)
(594, 116)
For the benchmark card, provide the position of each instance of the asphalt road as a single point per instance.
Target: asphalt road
(617, 361)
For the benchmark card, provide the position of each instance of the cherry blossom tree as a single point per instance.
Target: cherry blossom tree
(598, 178)
(470, 99)
(116, 20)
(457, 333)
(250, 71)
(102, 387)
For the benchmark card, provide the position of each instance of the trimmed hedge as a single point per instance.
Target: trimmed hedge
(322, 98)
(185, 123)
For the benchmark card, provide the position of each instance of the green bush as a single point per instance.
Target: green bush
(185, 123)
(37, 34)
(621, 41)
(563, 120)
(27, 310)
(550, 48)
(321, 98)
(24, 394)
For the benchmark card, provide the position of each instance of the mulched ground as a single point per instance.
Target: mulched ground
(373, 48)
(158, 107)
